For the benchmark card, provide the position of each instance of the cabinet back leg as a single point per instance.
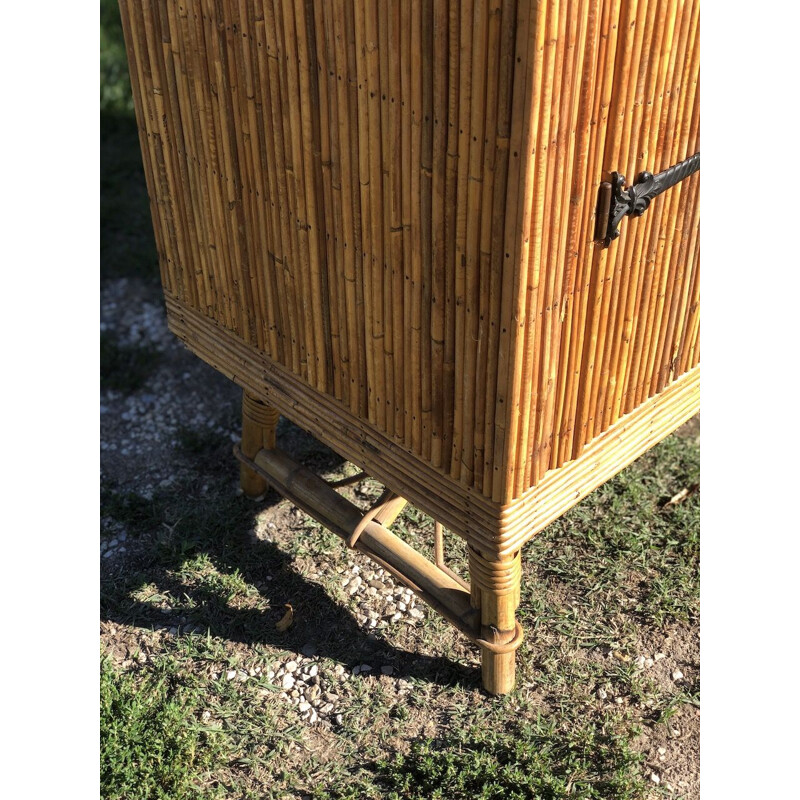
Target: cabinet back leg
(259, 422)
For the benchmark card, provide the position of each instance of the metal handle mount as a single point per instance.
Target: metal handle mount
(615, 202)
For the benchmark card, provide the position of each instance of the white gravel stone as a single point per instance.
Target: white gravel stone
(659, 656)
(231, 674)
(677, 675)
(339, 719)
(655, 778)
(287, 682)
(290, 666)
(312, 670)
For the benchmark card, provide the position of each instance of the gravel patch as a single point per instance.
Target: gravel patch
(139, 432)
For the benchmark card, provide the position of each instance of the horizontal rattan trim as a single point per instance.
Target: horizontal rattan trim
(486, 525)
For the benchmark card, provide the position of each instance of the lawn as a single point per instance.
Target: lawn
(366, 694)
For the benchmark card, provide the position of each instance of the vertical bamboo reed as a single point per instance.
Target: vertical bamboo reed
(496, 91)
(586, 56)
(454, 94)
(478, 120)
(662, 33)
(485, 475)
(549, 46)
(385, 155)
(516, 241)
(460, 266)
(441, 57)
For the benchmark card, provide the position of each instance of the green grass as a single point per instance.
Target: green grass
(527, 760)
(127, 246)
(154, 744)
(618, 568)
(115, 84)
(201, 442)
(624, 549)
(123, 367)
(617, 572)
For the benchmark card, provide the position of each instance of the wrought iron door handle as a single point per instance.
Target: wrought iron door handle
(615, 202)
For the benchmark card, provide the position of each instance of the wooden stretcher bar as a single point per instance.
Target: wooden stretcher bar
(481, 612)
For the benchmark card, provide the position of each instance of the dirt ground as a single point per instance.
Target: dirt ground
(174, 431)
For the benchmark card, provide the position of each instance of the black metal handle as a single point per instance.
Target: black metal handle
(615, 202)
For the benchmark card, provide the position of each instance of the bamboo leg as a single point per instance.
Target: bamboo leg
(259, 422)
(495, 588)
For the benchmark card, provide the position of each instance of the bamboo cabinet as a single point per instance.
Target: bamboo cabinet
(394, 222)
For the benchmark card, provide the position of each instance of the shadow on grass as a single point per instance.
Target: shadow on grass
(127, 245)
(198, 554)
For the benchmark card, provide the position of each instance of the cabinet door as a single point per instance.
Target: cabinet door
(608, 327)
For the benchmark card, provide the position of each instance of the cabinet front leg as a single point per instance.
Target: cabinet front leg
(495, 590)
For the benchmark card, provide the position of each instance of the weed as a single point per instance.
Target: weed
(529, 759)
(201, 441)
(153, 742)
(125, 368)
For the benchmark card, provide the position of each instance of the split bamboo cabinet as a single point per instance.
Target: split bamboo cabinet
(394, 222)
